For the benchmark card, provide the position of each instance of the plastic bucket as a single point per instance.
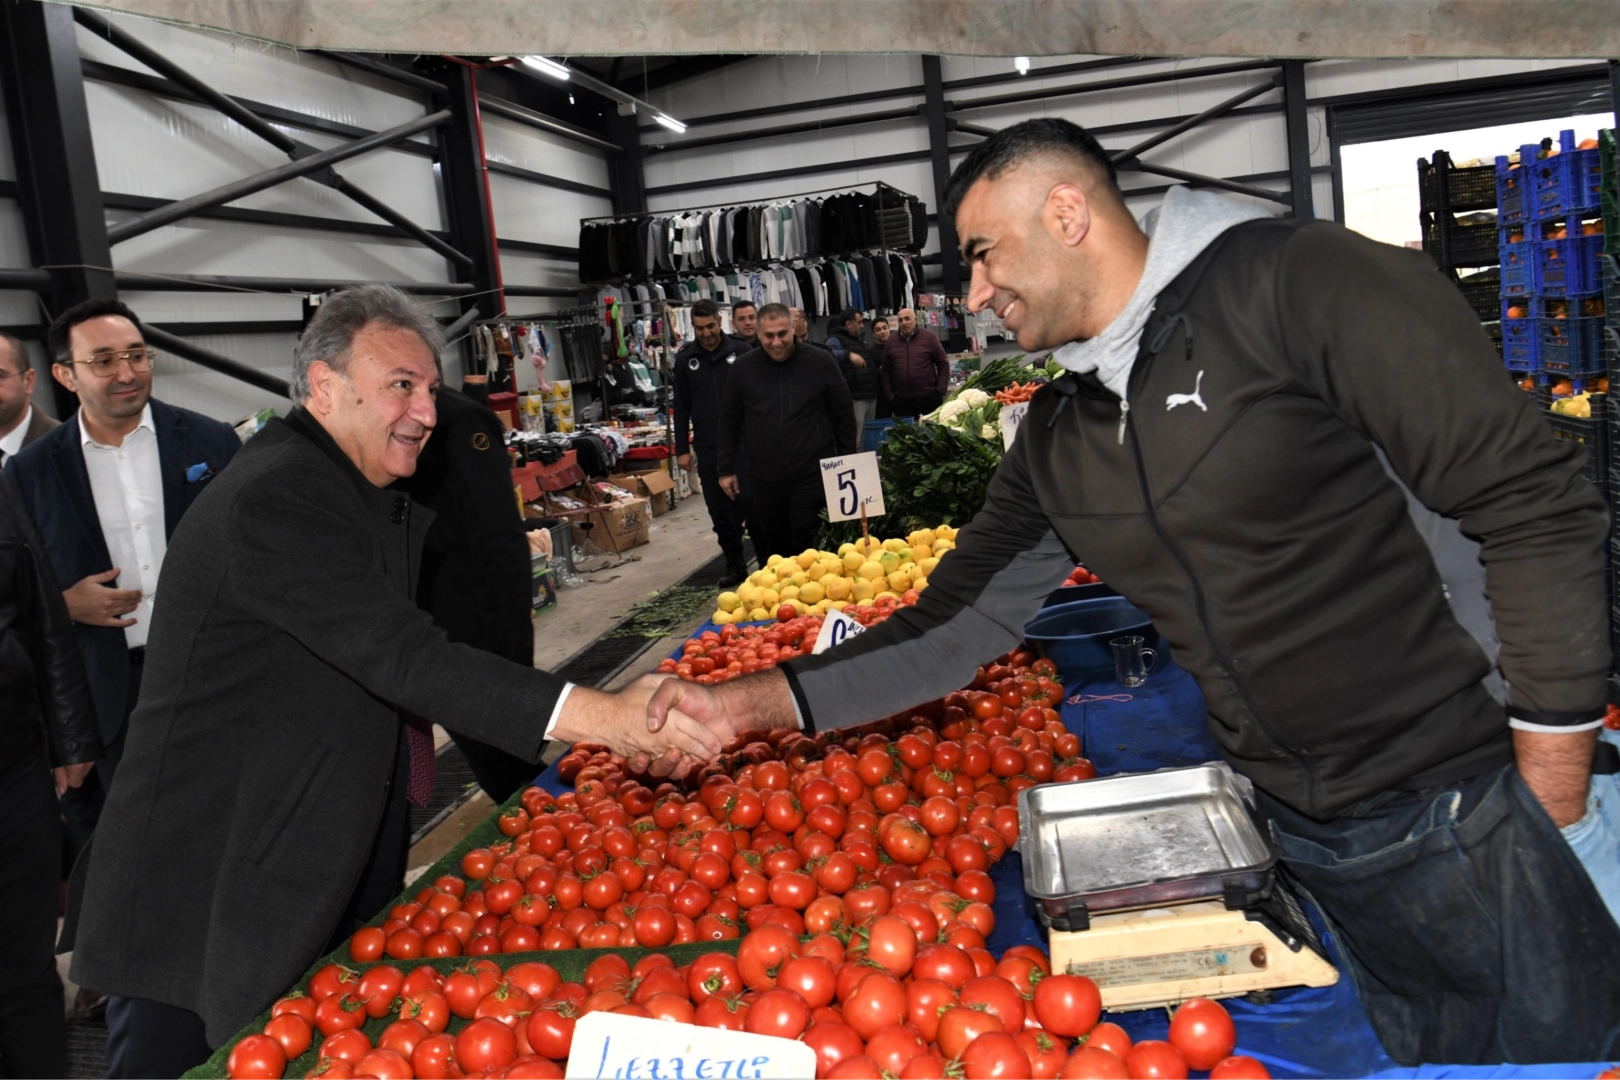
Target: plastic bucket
(1075, 636)
(1068, 594)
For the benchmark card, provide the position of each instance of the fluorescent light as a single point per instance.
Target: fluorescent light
(547, 67)
(670, 122)
(1022, 64)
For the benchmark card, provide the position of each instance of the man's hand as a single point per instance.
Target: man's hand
(729, 485)
(1558, 771)
(619, 722)
(758, 703)
(94, 604)
(857, 359)
(685, 461)
(71, 776)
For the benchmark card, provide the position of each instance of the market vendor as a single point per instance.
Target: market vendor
(1295, 449)
(261, 794)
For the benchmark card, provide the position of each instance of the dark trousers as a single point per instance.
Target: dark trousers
(786, 516)
(33, 1029)
(384, 874)
(730, 516)
(150, 1039)
(81, 806)
(1471, 930)
(917, 406)
(499, 773)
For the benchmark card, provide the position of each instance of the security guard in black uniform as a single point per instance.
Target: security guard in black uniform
(700, 372)
(476, 580)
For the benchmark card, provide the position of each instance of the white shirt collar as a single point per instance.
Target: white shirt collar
(146, 422)
(13, 441)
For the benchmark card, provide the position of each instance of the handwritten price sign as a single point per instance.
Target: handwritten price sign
(850, 483)
(836, 629)
(635, 1048)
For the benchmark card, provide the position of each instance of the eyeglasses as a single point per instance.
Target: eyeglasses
(4, 375)
(105, 365)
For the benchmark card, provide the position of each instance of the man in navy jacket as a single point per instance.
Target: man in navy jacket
(106, 489)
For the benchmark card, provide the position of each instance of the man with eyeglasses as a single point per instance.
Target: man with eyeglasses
(20, 422)
(106, 489)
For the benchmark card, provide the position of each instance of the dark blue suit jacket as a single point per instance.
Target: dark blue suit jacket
(55, 486)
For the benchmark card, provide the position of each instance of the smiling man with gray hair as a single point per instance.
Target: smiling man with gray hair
(260, 813)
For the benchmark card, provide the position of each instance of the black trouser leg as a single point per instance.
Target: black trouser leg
(726, 513)
(787, 514)
(385, 869)
(33, 1028)
(805, 503)
(911, 408)
(497, 772)
(81, 806)
(150, 1039)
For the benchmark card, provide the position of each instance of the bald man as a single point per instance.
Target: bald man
(1309, 502)
(916, 371)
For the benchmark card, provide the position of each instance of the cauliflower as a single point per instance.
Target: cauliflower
(952, 409)
(974, 398)
(989, 432)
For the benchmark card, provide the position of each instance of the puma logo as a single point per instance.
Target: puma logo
(1193, 398)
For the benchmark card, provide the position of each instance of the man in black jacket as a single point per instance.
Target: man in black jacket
(268, 746)
(1295, 450)
(859, 363)
(476, 579)
(699, 375)
(787, 403)
(745, 322)
(47, 724)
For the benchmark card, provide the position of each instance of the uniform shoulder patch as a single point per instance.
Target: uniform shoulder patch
(480, 441)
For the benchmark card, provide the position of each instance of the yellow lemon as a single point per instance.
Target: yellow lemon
(801, 579)
(854, 560)
(759, 614)
(837, 587)
(889, 561)
(862, 589)
(762, 578)
(728, 601)
(890, 594)
(864, 603)
(806, 557)
(895, 545)
(921, 538)
(790, 592)
(845, 549)
(921, 552)
(773, 560)
(720, 618)
(899, 581)
(927, 565)
(811, 592)
(942, 546)
(769, 598)
(871, 571)
(838, 605)
(817, 571)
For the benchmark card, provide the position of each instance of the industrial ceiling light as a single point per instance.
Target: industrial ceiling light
(670, 122)
(1022, 64)
(548, 67)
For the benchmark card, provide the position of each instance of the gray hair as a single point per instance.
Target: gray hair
(330, 334)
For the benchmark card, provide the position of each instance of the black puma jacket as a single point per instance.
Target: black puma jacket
(1351, 528)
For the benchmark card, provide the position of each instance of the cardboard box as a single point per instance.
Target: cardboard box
(654, 486)
(545, 584)
(626, 524)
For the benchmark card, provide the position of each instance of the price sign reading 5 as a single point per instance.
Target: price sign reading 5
(850, 483)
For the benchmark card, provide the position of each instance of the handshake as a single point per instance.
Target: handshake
(668, 727)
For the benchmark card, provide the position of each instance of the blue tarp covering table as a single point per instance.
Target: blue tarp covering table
(1305, 1032)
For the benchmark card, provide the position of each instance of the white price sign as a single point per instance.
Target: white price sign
(851, 482)
(636, 1048)
(836, 629)
(1011, 417)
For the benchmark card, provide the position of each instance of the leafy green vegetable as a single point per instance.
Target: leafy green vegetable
(995, 375)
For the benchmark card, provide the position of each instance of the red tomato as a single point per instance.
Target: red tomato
(533, 978)
(713, 973)
(1239, 1067)
(485, 1044)
(763, 952)
(332, 979)
(379, 988)
(1047, 1054)
(995, 1055)
(1091, 1063)
(998, 996)
(892, 943)
(384, 1065)
(1153, 1059)
(894, 1047)
(833, 1042)
(367, 944)
(877, 1001)
(960, 1025)
(402, 1036)
(1110, 1037)
(293, 1032)
(428, 1006)
(340, 1012)
(946, 963)
(727, 1012)
(781, 1013)
(811, 977)
(256, 1056)
(1203, 1031)
(1067, 1005)
(435, 1058)
(551, 1029)
(296, 1004)
(350, 1045)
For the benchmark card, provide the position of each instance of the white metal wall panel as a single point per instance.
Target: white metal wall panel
(518, 144)
(200, 246)
(180, 382)
(544, 215)
(527, 268)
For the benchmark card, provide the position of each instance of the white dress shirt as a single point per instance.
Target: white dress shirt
(127, 485)
(13, 442)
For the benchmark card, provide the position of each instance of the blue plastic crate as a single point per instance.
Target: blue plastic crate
(1570, 267)
(1519, 264)
(1611, 288)
(1570, 346)
(1520, 345)
(1511, 206)
(1568, 183)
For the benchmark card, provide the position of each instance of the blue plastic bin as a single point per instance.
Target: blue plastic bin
(1519, 344)
(1075, 636)
(1570, 267)
(1511, 205)
(1570, 346)
(1568, 183)
(1518, 259)
(877, 431)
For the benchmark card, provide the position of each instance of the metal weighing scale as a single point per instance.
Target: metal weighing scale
(1159, 887)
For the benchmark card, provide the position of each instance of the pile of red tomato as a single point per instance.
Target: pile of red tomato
(736, 650)
(1081, 576)
(892, 1005)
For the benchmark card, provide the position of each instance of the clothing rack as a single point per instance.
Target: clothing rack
(875, 185)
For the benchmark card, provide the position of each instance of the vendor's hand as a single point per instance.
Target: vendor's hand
(71, 776)
(618, 721)
(685, 461)
(729, 485)
(758, 703)
(92, 603)
(1558, 771)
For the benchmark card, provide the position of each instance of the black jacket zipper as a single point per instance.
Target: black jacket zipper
(1306, 767)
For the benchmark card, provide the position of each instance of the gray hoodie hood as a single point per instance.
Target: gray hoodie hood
(1178, 230)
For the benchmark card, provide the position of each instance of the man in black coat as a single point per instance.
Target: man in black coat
(859, 363)
(47, 723)
(267, 745)
(787, 403)
(107, 489)
(698, 376)
(476, 579)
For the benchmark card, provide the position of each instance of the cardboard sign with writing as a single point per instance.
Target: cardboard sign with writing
(635, 1048)
(1011, 417)
(849, 482)
(836, 629)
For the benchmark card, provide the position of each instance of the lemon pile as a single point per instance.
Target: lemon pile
(816, 582)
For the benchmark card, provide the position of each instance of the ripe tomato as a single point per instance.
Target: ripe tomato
(1092, 1063)
(293, 1032)
(367, 944)
(402, 1036)
(904, 841)
(434, 1058)
(534, 978)
(945, 963)
(332, 979)
(995, 1055)
(1068, 1005)
(727, 1012)
(1203, 1031)
(763, 952)
(350, 1045)
(892, 943)
(1153, 1059)
(256, 1056)
(960, 1025)
(384, 1065)
(340, 1012)
(296, 1004)
(477, 864)
(1109, 1037)
(551, 1029)
(811, 977)
(1000, 997)
(654, 926)
(1046, 1053)
(379, 988)
(485, 1044)
(894, 1047)
(779, 1012)
(877, 1001)
(713, 973)
(833, 1042)
(1240, 1067)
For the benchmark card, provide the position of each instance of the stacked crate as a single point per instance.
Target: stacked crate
(1444, 191)
(1609, 204)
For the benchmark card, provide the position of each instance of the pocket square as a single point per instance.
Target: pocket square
(199, 472)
